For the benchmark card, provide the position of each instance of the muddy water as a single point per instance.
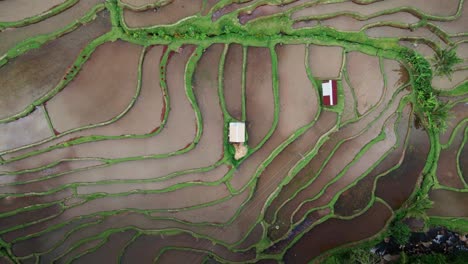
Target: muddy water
(311, 219)
(326, 121)
(102, 90)
(208, 6)
(447, 170)
(45, 241)
(178, 132)
(168, 14)
(254, 237)
(181, 256)
(448, 203)
(349, 111)
(13, 36)
(333, 233)
(402, 33)
(344, 154)
(459, 113)
(267, 10)
(143, 3)
(118, 187)
(358, 197)
(211, 213)
(434, 7)
(141, 119)
(110, 250)
(27, 217)
(370, 157)
(146, 247)
(423, 49)
(14, 10)
(13, 203)
(397, 186)
(228, 9)
(463, 159)
(456, 26)
(233, 81)
(443, 83)
(365, 79)
(24, 131)
(347, 23)
(259, 95)
(332, 55)
(36, 72)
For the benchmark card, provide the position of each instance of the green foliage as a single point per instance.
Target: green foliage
(419, 205)
(354, 256)
(433, 113)
(400, 232)
(444, 60)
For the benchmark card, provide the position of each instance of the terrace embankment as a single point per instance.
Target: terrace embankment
(447, 169)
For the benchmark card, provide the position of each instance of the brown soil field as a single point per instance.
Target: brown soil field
(259, 95)
(209, 214)
(447, 170)
(334, 232)
(24, 131)
(347, 23)
(333, 55)
(119, 187)
(432, 7)
(448, 203)
(365, 79)
(232, 81)
(345, 153)
(164, 15)
(358, 196)
(181, 256)
(444, 83)
(308, 140)
(14, 36)
(14, 10)
(338, 162)
(397, 186)
(459, 113)
(101, 90)
(370, 157)
(43, 67)
(71, 253)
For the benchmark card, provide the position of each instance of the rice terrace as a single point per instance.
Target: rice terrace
(233, 131)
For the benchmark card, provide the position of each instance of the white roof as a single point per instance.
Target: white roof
(237, 132)
(327, 90)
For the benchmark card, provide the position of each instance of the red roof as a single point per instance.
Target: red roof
(332, 99)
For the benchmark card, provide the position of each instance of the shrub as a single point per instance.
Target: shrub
(400, 232)
(444, 60)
